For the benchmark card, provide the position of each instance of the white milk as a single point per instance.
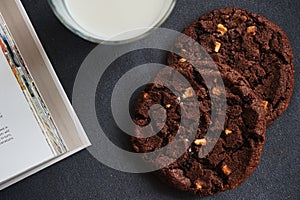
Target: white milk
(108, 18)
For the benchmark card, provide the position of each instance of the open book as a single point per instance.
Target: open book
(38, 126)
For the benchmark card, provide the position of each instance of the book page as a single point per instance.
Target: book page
(28, 134)
(70, 137)
(22, 144)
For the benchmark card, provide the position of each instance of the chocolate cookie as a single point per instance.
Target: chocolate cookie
(238, 149)
(253, 46)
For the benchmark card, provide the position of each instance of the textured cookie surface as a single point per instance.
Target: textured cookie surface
(253, 46)
(236, 153)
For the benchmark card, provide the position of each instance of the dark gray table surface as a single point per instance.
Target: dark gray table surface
(83, 177)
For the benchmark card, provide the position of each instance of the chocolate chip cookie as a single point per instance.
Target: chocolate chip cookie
(236, 152)
(251, 45)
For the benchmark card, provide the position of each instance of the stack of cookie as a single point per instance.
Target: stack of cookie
(255, 60)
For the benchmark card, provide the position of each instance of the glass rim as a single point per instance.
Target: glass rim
(90, 38)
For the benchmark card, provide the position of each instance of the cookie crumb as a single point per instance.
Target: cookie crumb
(227, 131)
(265, 104)
(222, 29)
(198, 186)
(188, 93)
(252, 30)
(226, 170)
(217, 46)
(182, 60)
(200, 142)
(216, 91)
(168, 105)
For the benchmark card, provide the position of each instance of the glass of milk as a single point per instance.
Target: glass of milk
(112, 21)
